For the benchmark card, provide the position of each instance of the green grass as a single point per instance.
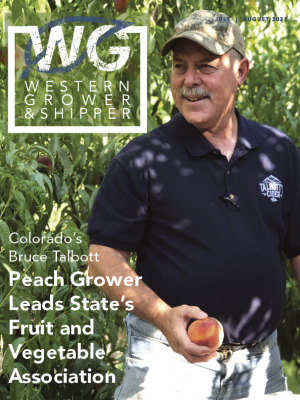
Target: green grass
(289, 369)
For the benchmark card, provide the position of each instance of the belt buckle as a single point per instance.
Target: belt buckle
(225, 349)
(226, 354)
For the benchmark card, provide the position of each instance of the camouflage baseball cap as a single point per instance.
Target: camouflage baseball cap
(213, 30)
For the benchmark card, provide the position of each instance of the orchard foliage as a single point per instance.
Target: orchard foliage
(47, 200)
(30, 192)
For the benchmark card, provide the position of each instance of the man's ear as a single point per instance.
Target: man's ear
(242, 70)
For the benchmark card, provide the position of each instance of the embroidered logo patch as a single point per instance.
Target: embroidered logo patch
(272, 187)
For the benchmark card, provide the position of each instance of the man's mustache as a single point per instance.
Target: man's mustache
(195, 91)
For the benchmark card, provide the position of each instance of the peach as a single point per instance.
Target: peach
(19, 57)
(206, 332)
(121, 5)
(45, 160)
(131, 67)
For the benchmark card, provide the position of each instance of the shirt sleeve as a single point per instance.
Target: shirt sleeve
(292, 240)
(120, 211)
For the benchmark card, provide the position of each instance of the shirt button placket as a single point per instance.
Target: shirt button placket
(229, 188)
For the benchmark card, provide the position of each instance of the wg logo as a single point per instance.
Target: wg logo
(44, 57)
(76, 77)
(272, 187)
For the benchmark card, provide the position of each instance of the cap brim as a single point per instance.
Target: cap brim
(214, 46)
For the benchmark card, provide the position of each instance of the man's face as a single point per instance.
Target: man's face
(213, 78)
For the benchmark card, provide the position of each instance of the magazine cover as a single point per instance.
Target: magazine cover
(79, 80)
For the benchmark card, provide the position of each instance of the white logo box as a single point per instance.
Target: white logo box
(142, 128)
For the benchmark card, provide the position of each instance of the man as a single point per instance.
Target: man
(209, 201)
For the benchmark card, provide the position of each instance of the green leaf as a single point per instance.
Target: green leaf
(4, 236)
(24, 315)
(76, 153)
(17, 388)
(112, 332)
(38, 177)
(5, 175)
(107, 151)
(54, 145)
(44, 341)
(4, 391)
(42, 6)
(20, 198)
(11, 154)
(37, 201)
(87, 389)
(5, 334)
(47, 180)
(61, 187)
(85, 197)
(100, 391)
(92, 199)
(8, 357)
(152, 44)
(61, 293)
(32, 345)
(49, 316)
(16, 10)
(73, 316)
(7, 288)
(40, 271)
(6, 265)
(30, 392)
(63, 320)
(64, 159)
(258, 97)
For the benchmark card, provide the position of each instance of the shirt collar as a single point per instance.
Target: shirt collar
(198, 145)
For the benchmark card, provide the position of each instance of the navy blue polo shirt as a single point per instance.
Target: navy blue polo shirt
(161, 198)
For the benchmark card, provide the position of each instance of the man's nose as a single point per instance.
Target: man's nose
(192, 77)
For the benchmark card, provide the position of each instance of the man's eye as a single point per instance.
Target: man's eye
(206, 67)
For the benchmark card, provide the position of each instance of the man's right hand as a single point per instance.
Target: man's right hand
(173, 324)
(171, 321)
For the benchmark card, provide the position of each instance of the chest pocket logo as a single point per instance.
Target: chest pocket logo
(272, 187)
